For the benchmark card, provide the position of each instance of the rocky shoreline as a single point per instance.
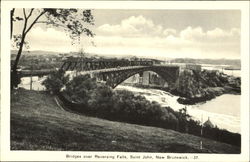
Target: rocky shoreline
(200, 86)
(195, 87)
(211, 94)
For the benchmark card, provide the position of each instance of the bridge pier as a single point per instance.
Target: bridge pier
(115, 77)
(115, 72)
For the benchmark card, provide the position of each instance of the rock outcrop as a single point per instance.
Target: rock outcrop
(199, 86)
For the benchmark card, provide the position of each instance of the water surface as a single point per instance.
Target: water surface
(223, 111)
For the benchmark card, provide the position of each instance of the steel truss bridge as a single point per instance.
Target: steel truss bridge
(115, 72)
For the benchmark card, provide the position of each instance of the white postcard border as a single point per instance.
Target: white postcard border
(8, 155)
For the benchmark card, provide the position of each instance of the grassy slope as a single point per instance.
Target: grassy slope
(37, 123)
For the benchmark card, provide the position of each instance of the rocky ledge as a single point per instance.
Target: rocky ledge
(200, 86)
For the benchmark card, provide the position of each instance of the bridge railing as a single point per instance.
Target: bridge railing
(83, 65)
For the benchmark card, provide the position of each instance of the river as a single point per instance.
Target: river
(223, 111)
(36, 83)
(221, 68)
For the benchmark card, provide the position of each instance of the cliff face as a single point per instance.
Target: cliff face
(198, 86)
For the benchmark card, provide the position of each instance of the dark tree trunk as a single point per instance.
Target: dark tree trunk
(11, 21)
(19, 52)
(15, 78)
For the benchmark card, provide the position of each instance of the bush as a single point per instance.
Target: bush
(97, 99)
(101, 101)
(55, 81)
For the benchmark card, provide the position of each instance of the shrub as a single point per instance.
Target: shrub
(55, 81)
(101, 101)
(97, 99)
(80, 88)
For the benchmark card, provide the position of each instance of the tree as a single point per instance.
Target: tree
(184, 118)
(80, 88)
(55, 81)
(73, 21)
(101, 100)
(11, 21)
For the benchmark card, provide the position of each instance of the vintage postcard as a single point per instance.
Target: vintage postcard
(124, 81)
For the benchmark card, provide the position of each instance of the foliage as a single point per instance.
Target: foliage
(17, 42)
(80, 88)
(55, 81)
(100, 100)
(86, 96)
(74, 21)
(35, 126)
(199, 86)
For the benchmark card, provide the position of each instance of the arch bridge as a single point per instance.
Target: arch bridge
(115, 72)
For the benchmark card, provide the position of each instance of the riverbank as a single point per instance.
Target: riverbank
(37, 123)
(199, 86)
(211, 93)
(221, 110)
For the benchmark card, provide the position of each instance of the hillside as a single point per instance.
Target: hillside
(233, 62)
(36, 52)
(37, 123)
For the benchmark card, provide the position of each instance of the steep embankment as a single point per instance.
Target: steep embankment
(37, 123)
(199, 86)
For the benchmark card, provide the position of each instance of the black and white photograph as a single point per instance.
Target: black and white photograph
(126, 84)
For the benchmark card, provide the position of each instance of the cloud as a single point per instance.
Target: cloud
(197, 34)
(192, 33)
(141, 36)
(133, 26)
(141, 27)
(167, 32)
(189, 42)
(50, 39)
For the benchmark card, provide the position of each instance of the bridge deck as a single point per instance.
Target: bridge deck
(117, 69)
(26, 73)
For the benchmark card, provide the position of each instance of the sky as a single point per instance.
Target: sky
(150, 33)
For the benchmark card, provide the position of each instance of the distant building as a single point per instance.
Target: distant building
(193, 67)
(208, 123)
